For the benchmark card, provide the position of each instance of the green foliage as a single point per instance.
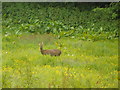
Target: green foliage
(82, 64)
(87, 21)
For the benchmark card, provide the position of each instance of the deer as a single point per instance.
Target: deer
(52, 52)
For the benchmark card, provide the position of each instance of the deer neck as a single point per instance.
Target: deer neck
(41, 48)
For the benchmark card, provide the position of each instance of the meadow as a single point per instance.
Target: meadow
(82, 64)
(86, 33)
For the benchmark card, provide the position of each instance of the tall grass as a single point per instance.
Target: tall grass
(82, 64)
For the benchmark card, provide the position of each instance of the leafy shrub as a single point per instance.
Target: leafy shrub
(81, 20)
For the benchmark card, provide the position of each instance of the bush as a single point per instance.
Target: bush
(83, 20)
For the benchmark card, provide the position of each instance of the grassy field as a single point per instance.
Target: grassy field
(82, 64)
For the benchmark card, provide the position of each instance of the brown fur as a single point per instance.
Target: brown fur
(52, 52)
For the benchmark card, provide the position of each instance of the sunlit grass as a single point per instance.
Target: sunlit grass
(82, 64)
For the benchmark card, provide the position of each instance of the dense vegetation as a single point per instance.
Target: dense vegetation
(86, 33)
(87, 21)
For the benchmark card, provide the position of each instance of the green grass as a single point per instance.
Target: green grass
(82, 64)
